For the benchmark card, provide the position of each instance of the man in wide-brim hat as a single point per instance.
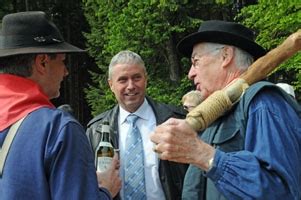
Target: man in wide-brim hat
(253, 150)
(44, 151)
(31, 32)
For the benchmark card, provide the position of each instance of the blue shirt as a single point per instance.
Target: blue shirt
(146, 124)
(50, 158)
(269, 167)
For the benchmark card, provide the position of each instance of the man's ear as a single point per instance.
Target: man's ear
(227, 55)
(146, 78)
(40, 63)
(110, 84)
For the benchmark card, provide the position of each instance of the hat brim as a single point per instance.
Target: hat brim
(185, 46)
(62, 47)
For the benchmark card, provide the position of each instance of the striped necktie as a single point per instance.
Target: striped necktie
(134, 179)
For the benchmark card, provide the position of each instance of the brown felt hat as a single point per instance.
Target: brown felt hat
(31, 32)
(217, 31)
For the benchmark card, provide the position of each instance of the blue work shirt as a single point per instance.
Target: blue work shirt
(50, 158)
(269, 164)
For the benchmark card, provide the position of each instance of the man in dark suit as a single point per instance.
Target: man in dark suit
(128, 81)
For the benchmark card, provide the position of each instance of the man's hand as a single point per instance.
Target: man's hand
(110, 179)
(176, 141)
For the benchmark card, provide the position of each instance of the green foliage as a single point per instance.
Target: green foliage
(275, 21)
(163, 92)
(152, 28)
(144, 27)
(100, 90)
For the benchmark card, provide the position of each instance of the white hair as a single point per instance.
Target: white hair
(242, 58)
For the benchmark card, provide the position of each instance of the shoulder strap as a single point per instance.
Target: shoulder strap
(7, 143)
(251, 92)
(254, 89)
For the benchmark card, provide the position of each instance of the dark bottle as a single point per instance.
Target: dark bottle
(105, 150)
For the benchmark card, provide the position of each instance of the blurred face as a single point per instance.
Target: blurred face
(189, 104)
(206, 70)
(55, 71)
(128, 83)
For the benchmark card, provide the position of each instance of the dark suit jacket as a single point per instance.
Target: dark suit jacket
(171, 174)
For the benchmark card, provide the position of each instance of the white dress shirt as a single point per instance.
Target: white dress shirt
(146, 124)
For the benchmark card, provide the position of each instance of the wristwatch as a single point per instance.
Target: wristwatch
(210, 163)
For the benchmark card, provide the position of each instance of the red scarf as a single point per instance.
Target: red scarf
(18, 97)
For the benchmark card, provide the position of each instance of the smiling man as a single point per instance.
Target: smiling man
(128, 81)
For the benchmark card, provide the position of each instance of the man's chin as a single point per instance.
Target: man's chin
(132, 106)
(57, 95)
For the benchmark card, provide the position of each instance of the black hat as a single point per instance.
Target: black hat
(31, 32)
(222, 32)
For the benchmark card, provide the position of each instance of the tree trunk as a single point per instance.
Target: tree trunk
(174, 66)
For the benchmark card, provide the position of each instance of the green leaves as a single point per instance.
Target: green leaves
(275, 21)
(152, 28)
(143, 26)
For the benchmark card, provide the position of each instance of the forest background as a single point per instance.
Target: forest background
(152, 28)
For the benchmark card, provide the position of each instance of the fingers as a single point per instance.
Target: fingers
(174, 140)
(109, 178)
(116, 186)
(171, 121)
(174, 156)
(169, 151)
(164, 132)
(115, 162)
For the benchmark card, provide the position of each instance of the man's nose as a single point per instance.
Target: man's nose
(66, 72)
(191, 73)
(131, 84)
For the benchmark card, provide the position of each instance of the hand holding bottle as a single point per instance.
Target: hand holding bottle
(109, 178)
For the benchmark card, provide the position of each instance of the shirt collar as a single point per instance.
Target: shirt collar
(19, 96)
(141, 112)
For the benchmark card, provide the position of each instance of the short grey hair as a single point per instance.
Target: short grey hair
(125, 57)
(242, 58)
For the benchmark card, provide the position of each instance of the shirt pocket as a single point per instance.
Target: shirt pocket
(228, 138)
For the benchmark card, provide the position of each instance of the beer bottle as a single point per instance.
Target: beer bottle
(105, 150)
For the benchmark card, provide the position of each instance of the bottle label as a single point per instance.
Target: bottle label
(104, 156)
(103, 163)
(105, 144)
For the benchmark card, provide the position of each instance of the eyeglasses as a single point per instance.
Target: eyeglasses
(195, 59)
(186, 107)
